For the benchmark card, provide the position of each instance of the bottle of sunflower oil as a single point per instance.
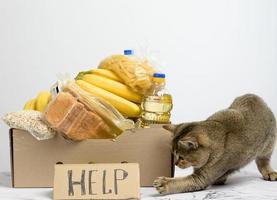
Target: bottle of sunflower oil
(157, 103)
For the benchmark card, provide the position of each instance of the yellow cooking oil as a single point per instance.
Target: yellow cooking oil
(157, 103)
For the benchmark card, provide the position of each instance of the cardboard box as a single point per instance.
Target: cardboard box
(33, 161)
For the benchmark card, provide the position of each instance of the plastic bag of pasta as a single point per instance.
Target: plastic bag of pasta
(135, 72)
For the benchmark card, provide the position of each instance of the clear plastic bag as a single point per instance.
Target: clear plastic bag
(151, 57)
(73, 120)
(135, 73)
(57, 87)
(106, 111)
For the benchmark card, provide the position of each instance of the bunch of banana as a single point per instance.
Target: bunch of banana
(40, 102)
(105, 84)
(30, 105)
(101, 72)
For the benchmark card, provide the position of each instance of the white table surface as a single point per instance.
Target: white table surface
(246, 184)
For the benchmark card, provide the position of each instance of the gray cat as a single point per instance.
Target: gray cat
(225, 142)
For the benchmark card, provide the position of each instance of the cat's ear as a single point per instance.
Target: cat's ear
(170, 127)
(188, 143)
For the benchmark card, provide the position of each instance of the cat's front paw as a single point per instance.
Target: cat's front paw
(271, 176)
(162, 184)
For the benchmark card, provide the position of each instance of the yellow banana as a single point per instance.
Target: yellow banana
(113, 86)
(30, 105)
(43, 99)
(124, 106)
(106, 73)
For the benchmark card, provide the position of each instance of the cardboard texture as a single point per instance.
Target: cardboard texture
(33, 161)
(97, 181)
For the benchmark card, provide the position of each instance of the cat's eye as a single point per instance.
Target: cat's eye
(190, 145)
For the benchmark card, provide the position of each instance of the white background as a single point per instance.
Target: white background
(213, 50)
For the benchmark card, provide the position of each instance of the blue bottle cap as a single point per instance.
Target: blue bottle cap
(159, 75)
(128, 52)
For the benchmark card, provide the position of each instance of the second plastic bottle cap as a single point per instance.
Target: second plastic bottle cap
(128, 52)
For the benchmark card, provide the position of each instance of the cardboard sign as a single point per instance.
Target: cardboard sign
(97, 181)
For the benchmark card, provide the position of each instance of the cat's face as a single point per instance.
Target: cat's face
(190, 145)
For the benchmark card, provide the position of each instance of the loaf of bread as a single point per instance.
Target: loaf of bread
(68, 116)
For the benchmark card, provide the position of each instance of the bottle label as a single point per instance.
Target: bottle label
(154, 118)
(158, 107)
